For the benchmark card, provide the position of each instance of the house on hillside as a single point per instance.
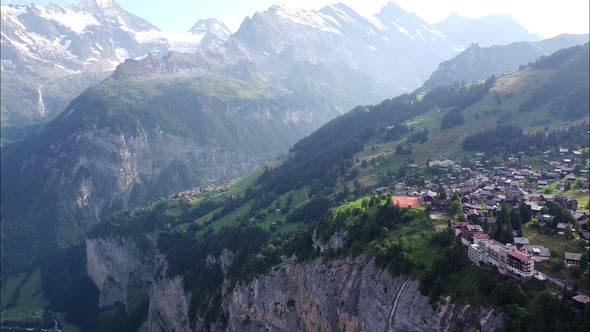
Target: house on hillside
(539, 253)
(566, 202)
(519, 242)
(572, 258)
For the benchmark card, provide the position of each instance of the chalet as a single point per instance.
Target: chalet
(539, 253)
(519, 242)
(571, 178)
(544, 218)
(428, 196)
(572, 258)
(561, 227)
(468, 231)
(515, 195)
(566, 203)
(585, 235)
(546, 198)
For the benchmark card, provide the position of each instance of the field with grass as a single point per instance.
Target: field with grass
(21, 297)
(558, 244)
(241, 184)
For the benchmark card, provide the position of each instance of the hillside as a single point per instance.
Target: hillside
(157, 126)
(83, 42)
(478, 63)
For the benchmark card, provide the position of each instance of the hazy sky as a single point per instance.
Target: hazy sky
(547, 17)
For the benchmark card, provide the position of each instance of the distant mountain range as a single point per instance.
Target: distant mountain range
(162, 123)
(41, 44)
(478, 63)
(487, 31)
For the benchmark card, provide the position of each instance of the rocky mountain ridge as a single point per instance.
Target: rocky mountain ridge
(478, 63)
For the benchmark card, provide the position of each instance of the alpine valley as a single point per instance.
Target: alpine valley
(225, 181)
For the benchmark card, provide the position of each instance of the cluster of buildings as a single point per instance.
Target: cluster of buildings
(483, 189)
(191, 195)
(511, 258)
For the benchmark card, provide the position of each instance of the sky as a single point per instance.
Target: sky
(546, 17)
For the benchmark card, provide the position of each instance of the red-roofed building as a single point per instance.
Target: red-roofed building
(521, 263)
(581, 300)
(480, 236)
(469, 233)
(405, 201)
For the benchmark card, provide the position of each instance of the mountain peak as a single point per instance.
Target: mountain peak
(98, 3)
(209, 25)
(392, 8)
(104, 4)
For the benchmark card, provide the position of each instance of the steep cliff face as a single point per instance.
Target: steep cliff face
(121, 269)
(345, 295)
(351, 294)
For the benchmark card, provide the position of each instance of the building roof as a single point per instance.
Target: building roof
(574, 256)
(521, 240)
(481, 236)
(538, 250)
(561, 225)
(585, 299)
(520, 255)
(474, 228)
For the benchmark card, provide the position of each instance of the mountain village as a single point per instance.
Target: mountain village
(483, 189)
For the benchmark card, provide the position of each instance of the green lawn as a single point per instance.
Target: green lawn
(244, 183)
(230, 218)
(299, 197)
(425, 253)
(9, 288)
(29, 299)
(556, 243)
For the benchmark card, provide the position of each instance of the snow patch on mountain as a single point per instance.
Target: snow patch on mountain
(311, 18)
(75, 21)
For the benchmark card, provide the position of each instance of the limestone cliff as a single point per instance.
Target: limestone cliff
(119, 267)
(351, 294)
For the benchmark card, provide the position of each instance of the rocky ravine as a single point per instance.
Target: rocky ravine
(350, 294)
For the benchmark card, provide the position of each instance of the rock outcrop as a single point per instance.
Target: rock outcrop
(352, 294)
(119, 266)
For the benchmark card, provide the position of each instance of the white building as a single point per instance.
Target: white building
(475, 254)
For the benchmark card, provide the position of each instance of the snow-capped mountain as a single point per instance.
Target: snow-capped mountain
(89, 35)
(205, 34)
(393, 46)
